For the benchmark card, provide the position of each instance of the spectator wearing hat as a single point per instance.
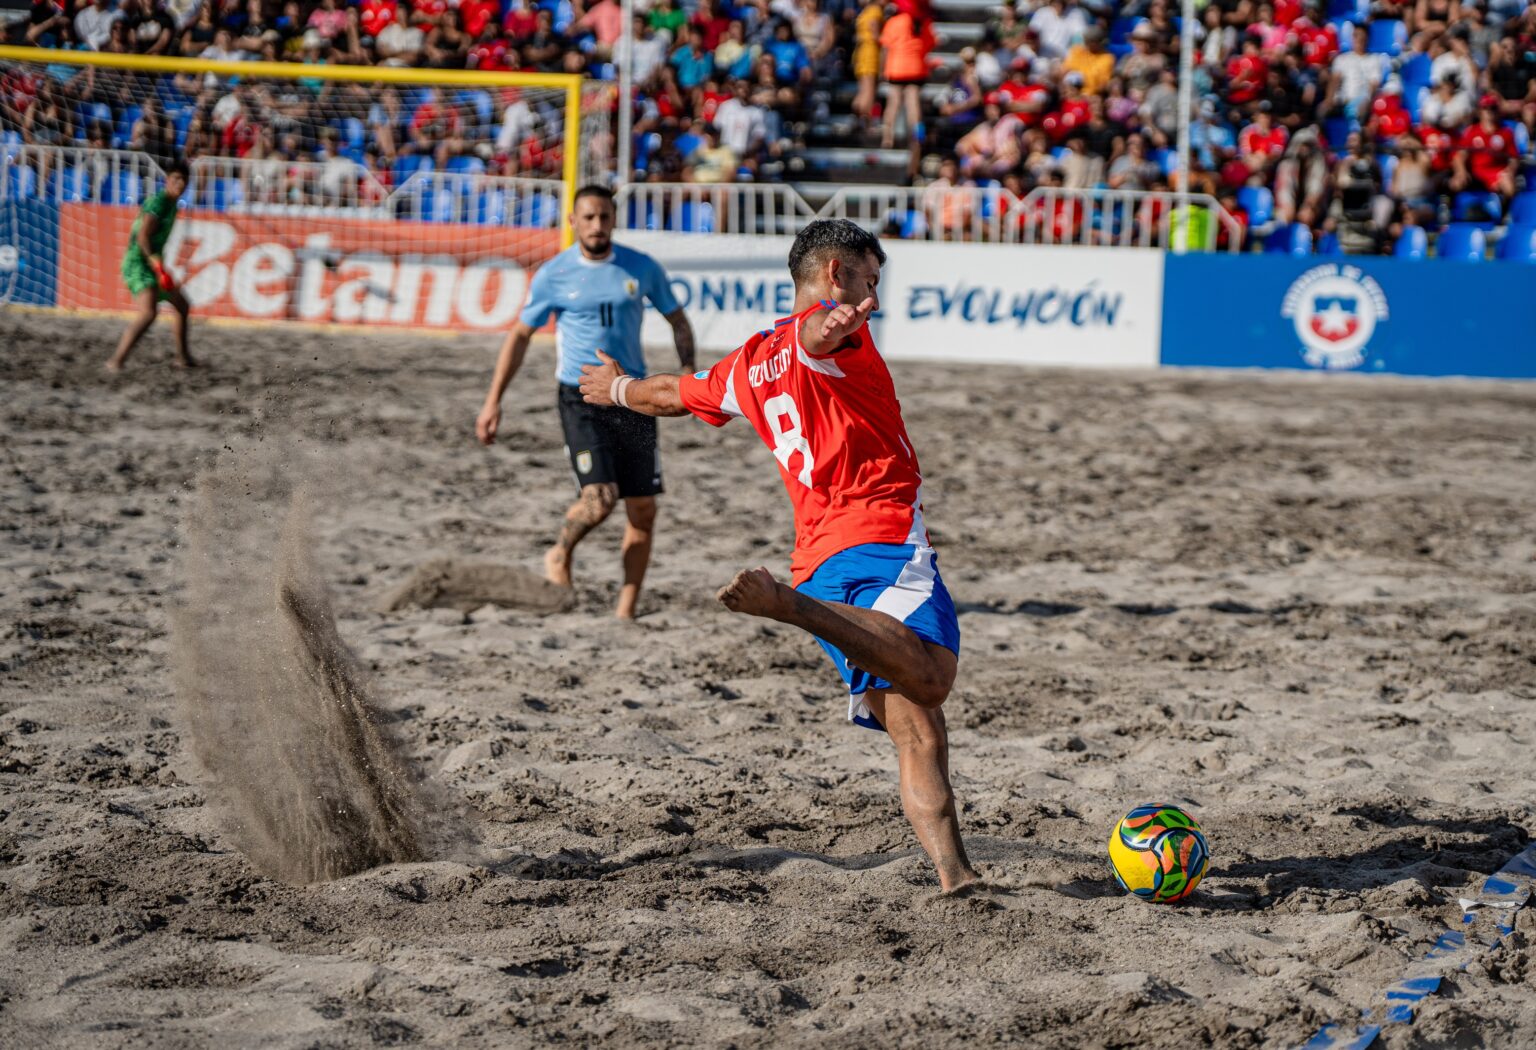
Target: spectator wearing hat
(1092, 61)
(961, 105)
(1145, 63)
(711, 162)
(1485, 156)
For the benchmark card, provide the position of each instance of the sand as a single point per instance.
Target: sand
(1300, 606)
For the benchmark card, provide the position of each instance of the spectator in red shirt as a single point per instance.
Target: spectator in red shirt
(1318, 43)
(1017, 95)
(1389, 119)
(1073, 114)
(521, 20)
(436, 128)
(1485, 157)
(1247, 73)
(1262, 143)
(477, 14)
(711, 23)
(489, 53)
(428, 13)
(374, 15)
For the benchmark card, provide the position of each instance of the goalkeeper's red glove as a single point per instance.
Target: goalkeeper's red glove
(167, 282)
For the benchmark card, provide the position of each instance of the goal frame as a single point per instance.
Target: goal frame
(569, 83)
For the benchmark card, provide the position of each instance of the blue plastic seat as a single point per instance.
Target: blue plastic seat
(66, 185)
(484, 105)
(1294, 239)
(1336, 130)
(1518, 243)
(1413, 244)
(465, 166)
(123, 133)
(1462, 242)
(1328, 245)
(1522, 209)
(1477, 206)
(539, 210)
(694, 218)
(124, 188)
(491, 208)
(1259, 203)
(406, 166)
(354, 132)
(1386, 36)
(21, 182)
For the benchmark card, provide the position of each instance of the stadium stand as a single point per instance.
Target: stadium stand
(1339, 123)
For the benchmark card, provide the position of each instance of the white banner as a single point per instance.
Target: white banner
(1084, 307)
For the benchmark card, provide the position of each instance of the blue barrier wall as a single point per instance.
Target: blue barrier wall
(29, 252)
(1412, 317)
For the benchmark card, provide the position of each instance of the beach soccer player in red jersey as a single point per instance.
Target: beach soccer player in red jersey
(865, 578)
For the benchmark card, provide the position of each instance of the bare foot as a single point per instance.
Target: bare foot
(967, 886)
(114, 365)
(184, 362)
(756, 593)
(557, 566)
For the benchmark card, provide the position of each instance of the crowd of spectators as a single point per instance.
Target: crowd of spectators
(1351, 117)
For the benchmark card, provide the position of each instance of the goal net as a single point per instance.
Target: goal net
(318, 193)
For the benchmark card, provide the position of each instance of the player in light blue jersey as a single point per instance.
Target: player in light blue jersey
(596, 291)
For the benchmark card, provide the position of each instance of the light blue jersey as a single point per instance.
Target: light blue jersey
(597, 306)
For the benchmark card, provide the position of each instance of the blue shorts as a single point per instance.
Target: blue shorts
(899, 579)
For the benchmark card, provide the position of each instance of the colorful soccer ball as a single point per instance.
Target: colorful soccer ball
(1158, 853)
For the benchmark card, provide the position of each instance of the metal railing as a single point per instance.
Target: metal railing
(1046, 215)
(742, 208)
(338, 187)
(77, 173)
(1123, 219)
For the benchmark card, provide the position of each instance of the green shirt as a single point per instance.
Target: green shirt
(671, 21)
(163, 207)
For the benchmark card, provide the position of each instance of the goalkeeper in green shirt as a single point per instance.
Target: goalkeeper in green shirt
(144, 271)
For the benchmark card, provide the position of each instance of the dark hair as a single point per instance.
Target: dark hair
(178, 166)
(592, 189)
(826, 238)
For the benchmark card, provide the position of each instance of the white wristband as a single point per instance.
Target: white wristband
(616, 391)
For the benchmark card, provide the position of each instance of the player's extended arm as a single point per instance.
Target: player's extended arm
(682, 335)
(654, 396)
(513, 349)
(821, 332)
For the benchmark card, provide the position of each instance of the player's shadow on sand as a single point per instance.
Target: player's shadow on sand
(1435, 852)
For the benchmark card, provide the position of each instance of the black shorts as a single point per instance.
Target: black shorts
(610, 445)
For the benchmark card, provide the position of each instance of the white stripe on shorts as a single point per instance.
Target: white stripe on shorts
(913, 586)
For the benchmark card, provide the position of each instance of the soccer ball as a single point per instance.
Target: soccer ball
(1158, 853)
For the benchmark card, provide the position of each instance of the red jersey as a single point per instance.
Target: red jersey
(1251, 140)
(1439, 143)
(1318, 43)
(1011, 93)
(834, 424)
(490, 55)
(1488, 152)
(476, 13)
(1246, 76)
(433, 9)
(375, 15)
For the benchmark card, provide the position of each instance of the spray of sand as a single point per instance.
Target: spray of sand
(303, 764)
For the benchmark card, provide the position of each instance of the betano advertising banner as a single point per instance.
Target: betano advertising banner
(1083, 307)
(1356, 314)
(344, 271)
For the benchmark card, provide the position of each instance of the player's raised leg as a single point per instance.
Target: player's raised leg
(876, 643)
(589, 511)
(641, 514)
(922, 756)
